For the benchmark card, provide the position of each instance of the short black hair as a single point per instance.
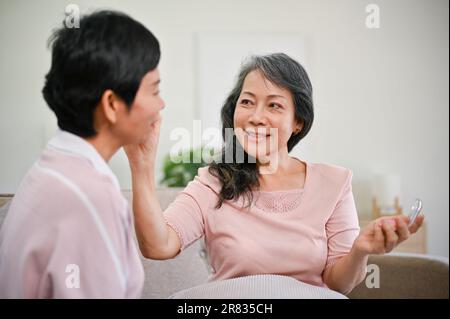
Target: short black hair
(109, 50)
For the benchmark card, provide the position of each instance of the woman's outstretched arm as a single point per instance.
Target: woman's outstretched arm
(379, 237)
(156, 239)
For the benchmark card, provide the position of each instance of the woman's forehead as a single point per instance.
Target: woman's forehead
(256, 83)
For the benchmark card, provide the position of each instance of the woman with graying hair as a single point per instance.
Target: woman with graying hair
(270, 213)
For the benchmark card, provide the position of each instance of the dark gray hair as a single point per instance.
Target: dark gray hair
(242, 178)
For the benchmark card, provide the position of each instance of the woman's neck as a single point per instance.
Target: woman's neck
(105, 145)
(275, 163)
(287, 173)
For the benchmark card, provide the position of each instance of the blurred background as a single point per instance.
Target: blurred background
(379, 71)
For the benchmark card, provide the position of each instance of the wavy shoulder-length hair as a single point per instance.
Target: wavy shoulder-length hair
(240, 178)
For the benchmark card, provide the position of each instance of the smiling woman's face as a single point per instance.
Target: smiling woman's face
(264, 118)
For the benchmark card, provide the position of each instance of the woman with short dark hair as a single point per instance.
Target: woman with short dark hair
(69, 231)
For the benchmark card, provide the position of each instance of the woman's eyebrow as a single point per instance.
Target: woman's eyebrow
(277, 95)
(249, 93)
(270, 96)
(157, 82)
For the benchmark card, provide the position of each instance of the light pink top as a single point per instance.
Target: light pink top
(296, 233)
(69, 232)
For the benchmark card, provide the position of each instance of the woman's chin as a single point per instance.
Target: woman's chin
(258, 155)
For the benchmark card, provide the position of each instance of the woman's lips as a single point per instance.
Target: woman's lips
(256, 135)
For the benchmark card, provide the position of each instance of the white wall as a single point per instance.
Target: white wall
(381, 95)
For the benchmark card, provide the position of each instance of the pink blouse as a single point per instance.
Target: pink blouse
(296, 233)
(69, 231)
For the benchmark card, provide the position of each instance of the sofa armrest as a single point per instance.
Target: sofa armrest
(406, 276)
(5, 202)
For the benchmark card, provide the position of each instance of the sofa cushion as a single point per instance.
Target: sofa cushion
(165, 277)
(402, 275)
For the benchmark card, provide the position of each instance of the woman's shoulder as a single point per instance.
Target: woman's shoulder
(331, 172)
(207, 179)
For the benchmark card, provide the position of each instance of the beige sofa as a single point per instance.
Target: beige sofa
(400, 275)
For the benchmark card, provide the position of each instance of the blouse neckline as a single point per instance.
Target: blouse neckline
(292, 190)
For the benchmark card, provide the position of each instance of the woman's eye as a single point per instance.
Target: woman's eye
(245, 102)
(275, 106)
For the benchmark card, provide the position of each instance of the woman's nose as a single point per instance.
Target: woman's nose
(258, 116)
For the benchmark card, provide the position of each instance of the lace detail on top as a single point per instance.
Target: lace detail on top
(278, 202)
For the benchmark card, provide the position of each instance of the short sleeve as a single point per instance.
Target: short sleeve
(186, 215)
(342, 227)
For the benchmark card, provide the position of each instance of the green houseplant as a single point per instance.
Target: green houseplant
(179, 170)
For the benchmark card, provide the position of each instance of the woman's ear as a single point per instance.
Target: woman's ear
(298, 128)
(110, 105)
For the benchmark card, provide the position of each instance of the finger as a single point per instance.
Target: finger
(405, 218)
(391, 221)
(417, 224)
(391, 237)
(402, 229)
(379, 236)
(370, 229)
